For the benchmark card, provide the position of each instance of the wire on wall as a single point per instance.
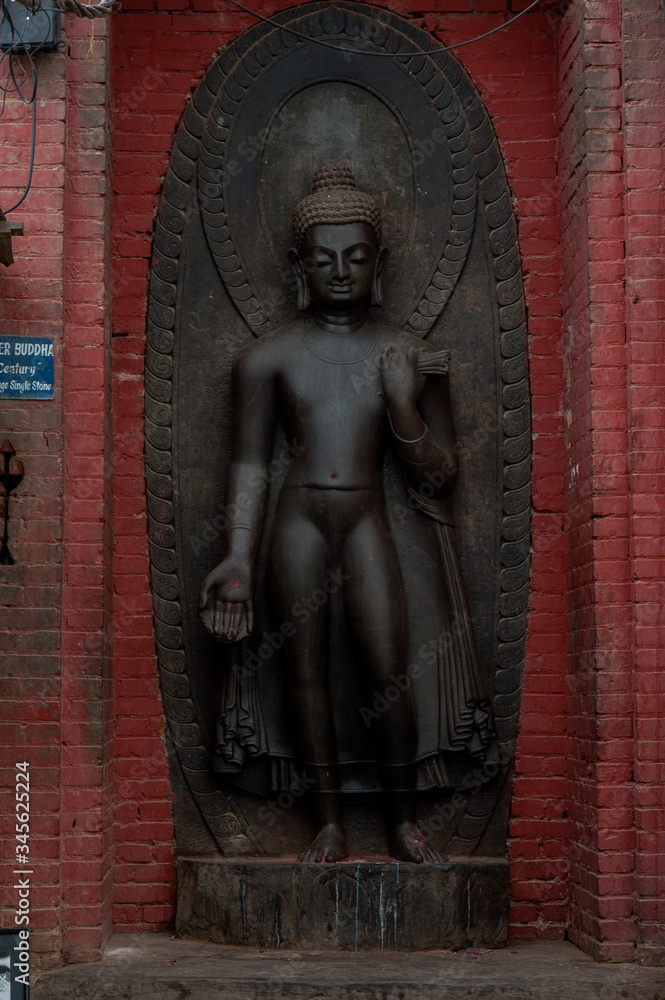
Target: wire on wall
(384, 55)
(19, 79)
(76, 7)
(22, 38)
(14, 74)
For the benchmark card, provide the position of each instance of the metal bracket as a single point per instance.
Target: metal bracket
(8, 481)
(7, 230)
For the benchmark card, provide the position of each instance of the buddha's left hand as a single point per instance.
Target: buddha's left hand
(401, 382)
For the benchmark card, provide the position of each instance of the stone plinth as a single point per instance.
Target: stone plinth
(353, 906)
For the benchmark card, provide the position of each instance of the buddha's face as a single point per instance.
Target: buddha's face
(340, 264)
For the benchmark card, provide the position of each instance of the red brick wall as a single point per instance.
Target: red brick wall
(577, 100)
(644, 141)
(86, 835)
(611, 114)
(55, 601)
(597, 535)
(143, 874)
(516, 72)
(31, 302)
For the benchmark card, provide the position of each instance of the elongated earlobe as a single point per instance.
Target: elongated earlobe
(304, 297)
(377, 283)
(377, 291)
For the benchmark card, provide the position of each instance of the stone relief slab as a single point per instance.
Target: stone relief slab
(270, 111)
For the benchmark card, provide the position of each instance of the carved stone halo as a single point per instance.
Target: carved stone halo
(228, 187)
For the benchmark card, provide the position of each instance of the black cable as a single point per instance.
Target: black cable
(386, 55)
(32, 146)
(14, 82)
(17, 87)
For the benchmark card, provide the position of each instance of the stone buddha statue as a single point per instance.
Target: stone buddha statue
(351, 395)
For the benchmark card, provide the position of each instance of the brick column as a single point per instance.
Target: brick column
(644, 132)
(54, 602)
(86, 835)
(600, 623)
(30, 590)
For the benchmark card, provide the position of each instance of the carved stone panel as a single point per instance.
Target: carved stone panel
(270, 111)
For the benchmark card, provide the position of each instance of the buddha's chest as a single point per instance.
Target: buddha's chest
(345, 394)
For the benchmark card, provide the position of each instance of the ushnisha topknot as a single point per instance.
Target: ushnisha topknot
(335, 201)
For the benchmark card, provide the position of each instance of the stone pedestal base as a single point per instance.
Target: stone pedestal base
(353, 906)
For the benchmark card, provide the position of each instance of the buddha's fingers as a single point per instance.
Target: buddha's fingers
(218, 606)
(241, 624)
(226, 619)
(237, 614)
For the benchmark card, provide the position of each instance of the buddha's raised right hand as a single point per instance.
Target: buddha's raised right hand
(225, 603)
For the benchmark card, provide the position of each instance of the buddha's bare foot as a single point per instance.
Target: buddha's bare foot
(407, 843)
(329, 845)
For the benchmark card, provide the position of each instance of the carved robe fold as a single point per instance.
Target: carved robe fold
(454, 721)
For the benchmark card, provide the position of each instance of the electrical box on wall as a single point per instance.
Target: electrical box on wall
(24, 31)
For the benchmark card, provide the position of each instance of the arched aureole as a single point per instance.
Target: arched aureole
(472, 249)
(228, 186)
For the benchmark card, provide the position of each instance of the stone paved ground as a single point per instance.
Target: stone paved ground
(158, 967)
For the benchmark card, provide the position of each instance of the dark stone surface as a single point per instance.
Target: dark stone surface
(156, 967)
(467, 299)
(353, 906)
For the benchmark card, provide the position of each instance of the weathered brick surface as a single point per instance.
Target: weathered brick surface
(577, 95)
(644, 138)
(87, 721)
(516, 72)
(55, 601)
(31, 302)
(597, 526)
(613, 292)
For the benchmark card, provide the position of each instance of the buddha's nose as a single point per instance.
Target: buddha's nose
(340, 267)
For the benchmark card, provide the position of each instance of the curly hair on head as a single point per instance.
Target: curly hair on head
(335, 201)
